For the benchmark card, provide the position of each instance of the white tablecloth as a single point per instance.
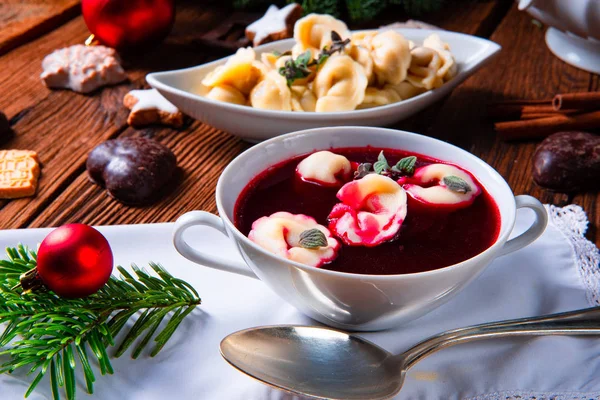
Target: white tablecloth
(557, 273)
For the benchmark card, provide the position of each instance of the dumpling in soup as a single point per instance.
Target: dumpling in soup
(339, 85)
(272, 93)
(424, 67)
(241, 71)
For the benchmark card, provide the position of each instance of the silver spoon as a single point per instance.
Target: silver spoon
(325, 363)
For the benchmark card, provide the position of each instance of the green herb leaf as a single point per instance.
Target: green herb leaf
(363, 170)
(312, 239)
(381, 165)
(456, 184)
(303, 59)
(406, 165)
(298, 68)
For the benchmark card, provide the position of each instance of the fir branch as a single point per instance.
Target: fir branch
(49, 334)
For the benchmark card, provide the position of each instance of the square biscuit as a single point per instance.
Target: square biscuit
(19, 172)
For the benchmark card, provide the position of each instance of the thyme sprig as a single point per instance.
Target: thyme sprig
(404, 167)
(303, 66)
(46, 334)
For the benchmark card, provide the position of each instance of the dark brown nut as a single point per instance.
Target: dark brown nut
(133, 170)
(568, 162)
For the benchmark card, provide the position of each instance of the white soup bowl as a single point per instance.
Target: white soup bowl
(344, 300)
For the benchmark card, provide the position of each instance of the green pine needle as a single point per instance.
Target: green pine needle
(49, 334)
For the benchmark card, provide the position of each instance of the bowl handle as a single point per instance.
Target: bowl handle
(534, 231)
(203, 218)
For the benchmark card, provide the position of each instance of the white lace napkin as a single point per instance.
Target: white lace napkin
(559, 272)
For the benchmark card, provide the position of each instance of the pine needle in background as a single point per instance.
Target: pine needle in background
(356, 10)
(44, 333)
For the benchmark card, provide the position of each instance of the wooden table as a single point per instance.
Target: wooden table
(63, 126)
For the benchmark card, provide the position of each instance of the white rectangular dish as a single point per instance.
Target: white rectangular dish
(183, 88)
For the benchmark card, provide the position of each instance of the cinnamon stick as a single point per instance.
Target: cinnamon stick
(542, 127)
(580, 101)
(518, 111)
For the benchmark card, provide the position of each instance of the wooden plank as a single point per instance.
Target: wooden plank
(63, 126)
(22, 21)
(202, 152)
(525, 69)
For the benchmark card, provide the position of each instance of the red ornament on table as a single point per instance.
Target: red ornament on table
(129, 24)
(74, 261)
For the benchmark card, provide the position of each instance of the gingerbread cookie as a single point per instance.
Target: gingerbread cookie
(133, 170)
(276, 24)
(19, 172)
(82, 68)
(150, 107)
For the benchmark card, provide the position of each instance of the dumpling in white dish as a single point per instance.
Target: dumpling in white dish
(448, 69)
(375, 97)
(313, 32)
(340, 85)
(303, 99)
(363, 38)
(241, 71)
(272, 93)
(273, 61)
(391, 56)
(227, 94)
(424, 67)
(362, 56)
(406, 90)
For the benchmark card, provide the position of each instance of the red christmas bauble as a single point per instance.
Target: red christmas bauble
(74, 261)
(126, 24)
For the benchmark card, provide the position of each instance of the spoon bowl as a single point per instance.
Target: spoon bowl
(305, 359)
(325, 363)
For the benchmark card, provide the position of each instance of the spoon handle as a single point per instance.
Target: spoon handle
(579, 322)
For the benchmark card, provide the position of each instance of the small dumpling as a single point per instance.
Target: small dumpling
(363, 38)
(340, 85)
(241, 71)
(313, 32)
(272, 93)
(406, 90)
(448, 69)
(375, 97)
(227, 94)
(362, 56)
(391, 56)
(303, 99)
(273, 61)
(424, 67)
(325, 168)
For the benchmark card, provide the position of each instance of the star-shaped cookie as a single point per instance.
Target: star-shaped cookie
(276, 24)
(150, 107)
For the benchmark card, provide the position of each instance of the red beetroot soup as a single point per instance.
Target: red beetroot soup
(429, 238)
